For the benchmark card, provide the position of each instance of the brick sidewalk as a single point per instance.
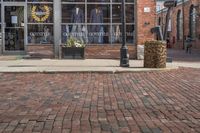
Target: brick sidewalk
(146, 102)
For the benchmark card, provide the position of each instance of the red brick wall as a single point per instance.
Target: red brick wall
(144, 31)
(108, 51)
(40, 50)
(91, 51)
(178, 44)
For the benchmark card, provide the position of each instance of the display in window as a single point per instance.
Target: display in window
(96, 30)
(42, 34)
(96, 22)
(40, 13)
(76, 31)
(115, 34)
(77, 15)
(77, 18)
(46, 38)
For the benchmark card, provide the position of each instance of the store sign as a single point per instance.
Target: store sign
(39, 34)
(147, 9)
(14, 19)
(170, 3)
(40, 16)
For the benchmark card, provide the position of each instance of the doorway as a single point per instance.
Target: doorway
(14, 29)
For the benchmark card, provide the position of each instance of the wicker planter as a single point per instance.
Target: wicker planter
(155, 54)
(72, 52)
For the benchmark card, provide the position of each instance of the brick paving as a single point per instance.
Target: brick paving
(167, 101)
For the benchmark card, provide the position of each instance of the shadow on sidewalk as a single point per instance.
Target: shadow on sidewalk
(182, 56)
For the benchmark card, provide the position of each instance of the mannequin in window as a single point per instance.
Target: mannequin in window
(77, 18)
(96, 16)
(115, 34)
(46, 35)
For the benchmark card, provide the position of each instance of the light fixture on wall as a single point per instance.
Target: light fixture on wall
(146, 23)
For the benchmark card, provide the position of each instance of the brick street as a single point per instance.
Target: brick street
(165, 101)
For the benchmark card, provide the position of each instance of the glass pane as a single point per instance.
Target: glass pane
(14, 28)
(116, 16)
(14, 39)
(117, 13)
(14, 0)
(129, 13)
(73, 13)
(42, 34)
(98, 1)
(98, 34)
(14, 16)
(129, 1)
(115, 34)
(130, 31)
(73, 0)
(40, 13)
(40, 0)
(77, 31)
(98, 13)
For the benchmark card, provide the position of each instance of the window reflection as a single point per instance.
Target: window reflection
(40, 34)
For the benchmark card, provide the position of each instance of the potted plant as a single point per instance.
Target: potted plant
(73, 49)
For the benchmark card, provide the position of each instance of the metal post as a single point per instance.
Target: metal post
(57, 27)
(124, 57)
(183, 17)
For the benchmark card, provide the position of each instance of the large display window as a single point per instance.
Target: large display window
(96, 22)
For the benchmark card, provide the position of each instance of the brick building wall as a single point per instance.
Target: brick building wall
(108, 52)
(145, 20)
(174, 42)
(40, 51)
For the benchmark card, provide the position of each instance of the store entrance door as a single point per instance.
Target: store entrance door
(14, 29)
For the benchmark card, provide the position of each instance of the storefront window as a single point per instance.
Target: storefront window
(14, 0)
(96, 22)
(40, 0)
(40, 22)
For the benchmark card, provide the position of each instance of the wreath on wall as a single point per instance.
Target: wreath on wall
(37, 18)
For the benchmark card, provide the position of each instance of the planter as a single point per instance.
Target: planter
(73, 52)
(155, 54)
